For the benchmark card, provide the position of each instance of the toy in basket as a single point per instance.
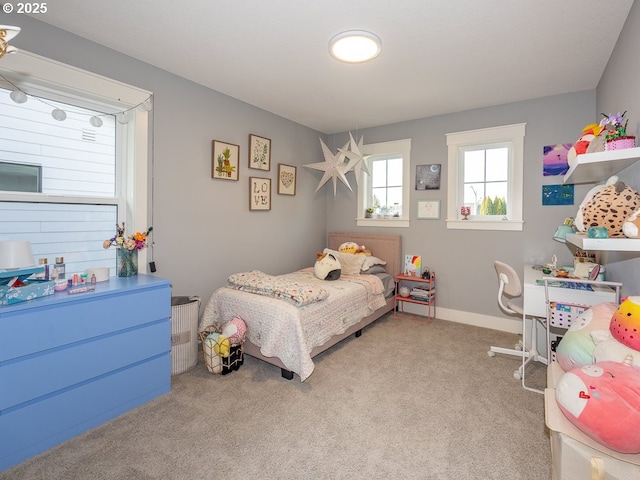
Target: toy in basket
(224, 349)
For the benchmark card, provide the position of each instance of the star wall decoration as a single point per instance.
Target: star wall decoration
(356, 157)
(334, 167)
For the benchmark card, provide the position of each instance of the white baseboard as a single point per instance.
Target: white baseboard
(505, 324)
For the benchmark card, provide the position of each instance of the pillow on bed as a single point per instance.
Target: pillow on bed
(351, 264)
(373, 270)
(370, 261)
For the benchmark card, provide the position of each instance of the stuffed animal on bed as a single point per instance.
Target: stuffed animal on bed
(625, 323)
(352, 247)
(602, 400)
(327, 267)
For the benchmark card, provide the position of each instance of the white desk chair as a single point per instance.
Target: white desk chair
(510, 300)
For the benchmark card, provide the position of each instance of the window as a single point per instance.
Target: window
(65, 184)
(486, 176)
(385, 190)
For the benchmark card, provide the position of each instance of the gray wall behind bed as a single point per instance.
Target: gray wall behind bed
(203, 230)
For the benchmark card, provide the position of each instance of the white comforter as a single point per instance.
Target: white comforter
(291, 332)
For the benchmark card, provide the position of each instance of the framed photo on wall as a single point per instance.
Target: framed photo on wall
(259, 152)
(286, 179)
(224, 161)
(428, 177)
(259, 193)
(428, 210)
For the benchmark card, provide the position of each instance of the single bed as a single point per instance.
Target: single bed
(289, 336)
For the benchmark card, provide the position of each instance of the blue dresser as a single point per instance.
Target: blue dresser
(71, 362)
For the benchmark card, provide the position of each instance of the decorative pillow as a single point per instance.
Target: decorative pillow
(370, 261)
(351, 264)
(625, 324)
(577, 346)
(602, 400)
(374, 269)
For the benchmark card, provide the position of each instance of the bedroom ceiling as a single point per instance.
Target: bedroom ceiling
(437, 57)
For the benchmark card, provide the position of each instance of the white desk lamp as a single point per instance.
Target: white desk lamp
(16, 254)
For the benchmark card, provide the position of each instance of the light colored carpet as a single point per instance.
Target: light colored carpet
(410, 398)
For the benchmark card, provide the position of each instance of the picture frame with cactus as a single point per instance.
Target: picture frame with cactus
(259, 152)
(225, 161)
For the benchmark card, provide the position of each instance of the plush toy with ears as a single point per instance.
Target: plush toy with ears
(588, 133)
(610, 207)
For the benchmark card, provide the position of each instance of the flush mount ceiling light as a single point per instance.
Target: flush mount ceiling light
(7, 32)
(355, 46)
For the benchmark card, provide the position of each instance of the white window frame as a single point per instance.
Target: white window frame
(514, 136)
(402, 147)
(46, 78)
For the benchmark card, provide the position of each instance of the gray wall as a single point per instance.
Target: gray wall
(203, 229)
(619, 91)
(463, 259)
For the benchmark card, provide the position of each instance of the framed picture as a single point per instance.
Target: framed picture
(259, 153)
(259, 193)
(224, 161)
(428, 177)
(286, 179)
(429, 209)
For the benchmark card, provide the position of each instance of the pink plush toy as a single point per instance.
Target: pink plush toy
(602, 400)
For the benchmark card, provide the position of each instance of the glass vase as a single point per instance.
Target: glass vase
(126, 262)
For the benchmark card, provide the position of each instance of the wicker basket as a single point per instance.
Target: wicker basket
(217, 363)
(563, 314)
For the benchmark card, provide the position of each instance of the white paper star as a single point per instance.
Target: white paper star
(356, 158)
(334, 167)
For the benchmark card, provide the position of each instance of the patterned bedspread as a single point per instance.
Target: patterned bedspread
(281, 329)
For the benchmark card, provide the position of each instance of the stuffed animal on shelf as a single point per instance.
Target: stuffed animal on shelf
(579, 221)
(610, 207)
(327, 267)
(582, 144)
(631, 227)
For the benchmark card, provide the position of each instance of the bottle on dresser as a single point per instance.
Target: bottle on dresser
(59, 268)
(44, 275)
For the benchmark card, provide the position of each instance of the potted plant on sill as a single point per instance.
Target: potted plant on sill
(368, 213)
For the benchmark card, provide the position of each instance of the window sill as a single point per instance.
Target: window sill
(382, 222)
(504, 225)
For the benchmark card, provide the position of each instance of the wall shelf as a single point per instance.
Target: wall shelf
(604, 244)
(599, 166)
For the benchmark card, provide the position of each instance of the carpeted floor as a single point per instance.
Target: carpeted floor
(410, 398)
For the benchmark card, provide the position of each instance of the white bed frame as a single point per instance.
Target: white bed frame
(385, 247)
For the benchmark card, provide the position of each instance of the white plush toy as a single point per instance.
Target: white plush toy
(579, 221)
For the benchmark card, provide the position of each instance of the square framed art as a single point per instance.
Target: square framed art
(259, 193)
(225, 160)
(286, 179)
(428, 210)
(428, 177)
(259, 152)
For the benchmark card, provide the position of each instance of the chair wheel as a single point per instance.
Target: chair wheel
(491, 354)
(517, 375)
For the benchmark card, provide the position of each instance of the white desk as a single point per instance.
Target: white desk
(534, 298)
